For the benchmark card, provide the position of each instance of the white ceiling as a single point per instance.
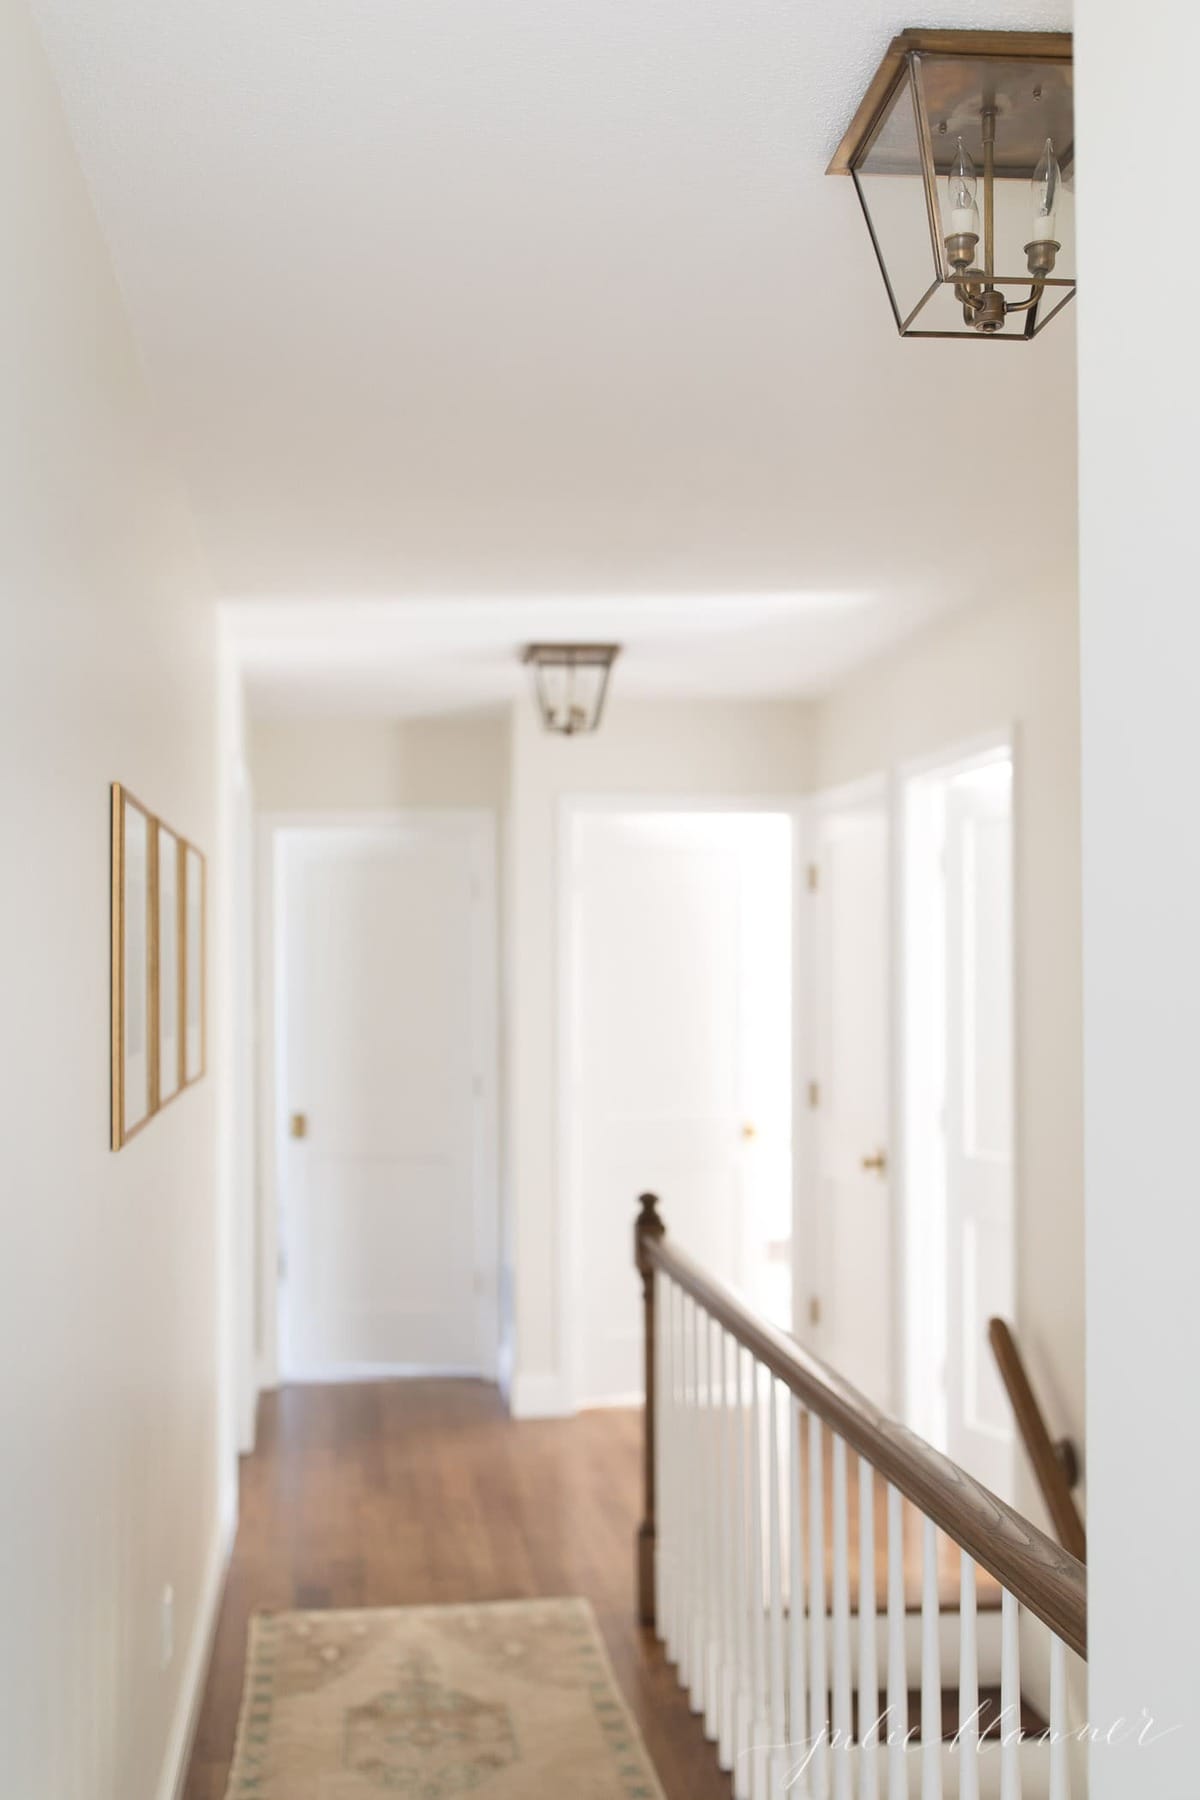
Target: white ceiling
(412, 658)
(455, 297)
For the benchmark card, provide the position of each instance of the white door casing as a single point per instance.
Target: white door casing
(385, 1006)
(980, 1200)
(849, 1232)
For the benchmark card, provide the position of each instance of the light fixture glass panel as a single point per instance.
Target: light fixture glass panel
(891, 184)
(1033, 101)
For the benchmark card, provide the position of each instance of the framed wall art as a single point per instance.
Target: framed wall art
(133, 997)
(159, 968)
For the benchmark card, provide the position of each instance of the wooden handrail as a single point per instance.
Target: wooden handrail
(1038, 1572)
(1055, 1465)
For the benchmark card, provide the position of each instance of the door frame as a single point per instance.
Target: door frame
(891, 784)
(479, 825)
(954, 757)
(572, 807)
(879, 786)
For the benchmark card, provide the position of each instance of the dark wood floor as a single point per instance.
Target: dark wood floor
(410, 1493)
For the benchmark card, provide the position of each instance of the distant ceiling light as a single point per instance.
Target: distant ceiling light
(942, 105)
(571, 681)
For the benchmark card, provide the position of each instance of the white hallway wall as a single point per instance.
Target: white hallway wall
(108, 1279)
(1139, 387)
(1013, 663)
(372, 764)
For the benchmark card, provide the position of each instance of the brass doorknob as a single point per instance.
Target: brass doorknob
(877, 1163)
(749, 1132)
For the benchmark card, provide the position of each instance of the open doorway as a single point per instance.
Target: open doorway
(958, 1054)
(677, 1067)
(384, 1083)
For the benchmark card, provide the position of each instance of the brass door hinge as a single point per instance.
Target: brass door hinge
(814, 1310)
(814, 1094)
(814, 878)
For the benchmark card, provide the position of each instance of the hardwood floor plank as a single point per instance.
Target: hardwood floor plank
(411, 1493)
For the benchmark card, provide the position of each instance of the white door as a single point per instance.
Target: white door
(849, 1241)
(679, 1078)
(388, 1238)
(979, 1115)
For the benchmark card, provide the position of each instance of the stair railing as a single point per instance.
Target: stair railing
(754, 1450)
(1055, 1465)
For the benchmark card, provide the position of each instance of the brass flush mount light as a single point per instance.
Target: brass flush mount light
(962, 152)
(571, 681)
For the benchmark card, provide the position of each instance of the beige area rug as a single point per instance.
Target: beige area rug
(433, 1701)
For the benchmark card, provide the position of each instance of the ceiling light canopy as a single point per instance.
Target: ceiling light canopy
(571, 681)
(962, 152)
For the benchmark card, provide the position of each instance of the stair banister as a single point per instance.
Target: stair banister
(1055, 1464)
(735, 1577)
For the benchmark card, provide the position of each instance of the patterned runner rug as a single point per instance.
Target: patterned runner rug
(429, 1702)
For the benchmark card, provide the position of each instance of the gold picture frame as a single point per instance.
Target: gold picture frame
(159, 965)
(193, 960)
(134, 967)
(169, 925)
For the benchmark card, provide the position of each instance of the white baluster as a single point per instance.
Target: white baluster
(897, 1670)
(699, 1634)
(1060, 1768)
(931, 1672)
(743, 1701)
(968, 1685)
(797, 1620)
(670, 1551)
(710, 1481)
(818, 1709)
(683, 1566)
(777, 1690)
(760, 1727)
(661, 1429)
(1010, 1698)
(868, 1669)
(842, 1717)
(687, 1508)
(726, 1516)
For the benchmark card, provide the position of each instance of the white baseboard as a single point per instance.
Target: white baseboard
(195, 1672)
(608, 1402)
(540, 1397)
(333, 1374)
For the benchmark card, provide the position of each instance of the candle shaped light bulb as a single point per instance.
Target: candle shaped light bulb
(961, 187)
(1043, 194)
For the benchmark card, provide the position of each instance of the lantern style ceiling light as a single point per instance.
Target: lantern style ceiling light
(962, 152)
(570, 681)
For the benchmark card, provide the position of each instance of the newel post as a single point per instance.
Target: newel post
(648, 1229)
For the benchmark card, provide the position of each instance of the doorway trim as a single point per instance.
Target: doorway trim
(958, 756)
(572, 807)
(480, 825)
(877, 786)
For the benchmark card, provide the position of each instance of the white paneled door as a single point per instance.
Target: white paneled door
(849, 1241)
(678, 1062)
(388, 1219)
